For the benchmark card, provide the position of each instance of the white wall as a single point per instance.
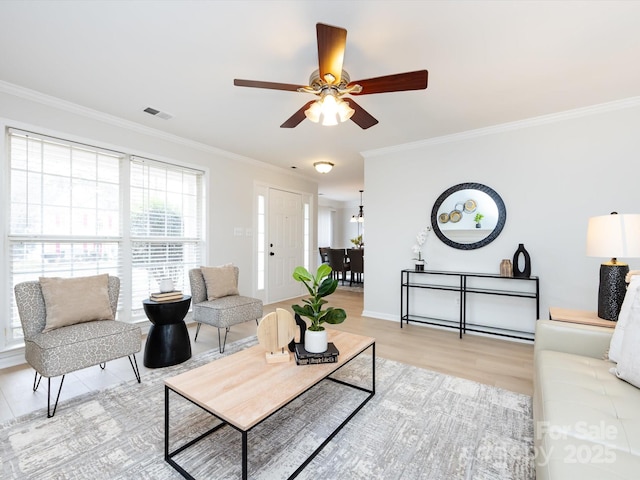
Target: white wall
(231, 179)
(342, 229)
(553, 173)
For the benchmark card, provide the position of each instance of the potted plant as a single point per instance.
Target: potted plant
(477, 219)
(357, 241)
(319, 286)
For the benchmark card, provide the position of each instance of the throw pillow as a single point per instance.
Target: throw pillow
(221, 281)
(75, 300)
(623, 319)
(628, 367)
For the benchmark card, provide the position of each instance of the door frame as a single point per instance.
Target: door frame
(309, 259)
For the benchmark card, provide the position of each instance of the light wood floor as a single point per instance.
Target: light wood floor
(488, 360)
(492, 361)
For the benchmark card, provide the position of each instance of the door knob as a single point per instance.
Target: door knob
(271, 254)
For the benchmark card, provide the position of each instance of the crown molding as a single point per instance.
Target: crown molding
(55, 102)
(508, 127)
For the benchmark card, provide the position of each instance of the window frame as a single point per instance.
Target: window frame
(126, 311)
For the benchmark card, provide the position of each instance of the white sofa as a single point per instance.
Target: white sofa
(586, 420)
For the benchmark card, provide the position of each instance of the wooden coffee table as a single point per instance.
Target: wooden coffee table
(239, 390)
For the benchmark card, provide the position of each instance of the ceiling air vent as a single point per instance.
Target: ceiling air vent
(158, 113)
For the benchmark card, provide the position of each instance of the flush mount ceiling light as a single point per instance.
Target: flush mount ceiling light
(323, 167)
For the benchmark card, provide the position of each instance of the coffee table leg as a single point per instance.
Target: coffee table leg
(244, 456)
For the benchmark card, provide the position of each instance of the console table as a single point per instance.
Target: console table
(463, 284)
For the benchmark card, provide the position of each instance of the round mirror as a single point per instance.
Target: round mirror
(468, 216)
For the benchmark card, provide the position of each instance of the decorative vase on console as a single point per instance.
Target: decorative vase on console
(506, 268)
(421, 238)
(526, 270)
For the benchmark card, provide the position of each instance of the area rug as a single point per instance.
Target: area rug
(356, 287)
(419, 425)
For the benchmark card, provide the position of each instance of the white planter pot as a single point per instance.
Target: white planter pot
(166, 285)
(315, 342)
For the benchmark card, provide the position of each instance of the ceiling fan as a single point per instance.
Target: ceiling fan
(330, 83)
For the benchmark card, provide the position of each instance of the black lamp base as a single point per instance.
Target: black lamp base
(612, 290)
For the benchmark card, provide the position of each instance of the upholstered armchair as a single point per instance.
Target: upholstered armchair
(57, 349)
(216, 301)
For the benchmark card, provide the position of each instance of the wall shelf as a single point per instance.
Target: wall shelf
(466, 283)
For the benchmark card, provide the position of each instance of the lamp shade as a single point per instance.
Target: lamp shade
(614, 236)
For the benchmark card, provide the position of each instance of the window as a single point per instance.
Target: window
(78, 210)
(261, 243)
(306, 234)
(165, 223)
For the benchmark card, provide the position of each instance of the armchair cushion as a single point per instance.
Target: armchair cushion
(74, 347)
(75, 300)
(221, 281)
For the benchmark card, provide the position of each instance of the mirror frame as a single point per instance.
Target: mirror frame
(502, 216)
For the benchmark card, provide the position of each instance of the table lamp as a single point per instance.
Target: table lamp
(613, 236)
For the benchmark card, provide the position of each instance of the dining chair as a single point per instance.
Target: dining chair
(356, 263)
(338, 263)
(324, 254)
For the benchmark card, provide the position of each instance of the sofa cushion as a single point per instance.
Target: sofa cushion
(75, 300)
(628, 367)
(221, 281)
(631, 298)
(587, 422)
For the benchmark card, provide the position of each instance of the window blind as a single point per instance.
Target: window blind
(78, 210)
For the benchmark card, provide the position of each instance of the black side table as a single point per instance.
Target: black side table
(168, 340)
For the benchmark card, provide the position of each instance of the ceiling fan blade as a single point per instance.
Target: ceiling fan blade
(361, 117)
(393, 83)
(270, 85)
(295, 119)
(331, 44)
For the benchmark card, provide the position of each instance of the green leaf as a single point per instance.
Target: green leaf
(301, 274)
(324, 270)
(334, 316)
(327, 287)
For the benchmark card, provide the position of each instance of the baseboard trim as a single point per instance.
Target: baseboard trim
(380, 316)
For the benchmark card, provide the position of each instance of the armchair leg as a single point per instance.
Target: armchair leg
(134, 365)
(221, 344)
(36, 381)
(197, 331)
(49, 412)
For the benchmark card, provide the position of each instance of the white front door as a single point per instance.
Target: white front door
(285, 247)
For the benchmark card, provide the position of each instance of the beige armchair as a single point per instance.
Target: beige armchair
(223, 308)
(64, 349)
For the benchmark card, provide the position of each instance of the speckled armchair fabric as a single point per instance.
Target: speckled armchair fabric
(74, 347)
(221, 312)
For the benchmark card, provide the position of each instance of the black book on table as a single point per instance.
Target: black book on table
(301, 353)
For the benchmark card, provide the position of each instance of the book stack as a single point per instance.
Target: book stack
(305, 358)
(166, 296)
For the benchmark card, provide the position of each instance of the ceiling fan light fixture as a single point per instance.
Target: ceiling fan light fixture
(345, 111)
(323, 167)
(329, 110)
